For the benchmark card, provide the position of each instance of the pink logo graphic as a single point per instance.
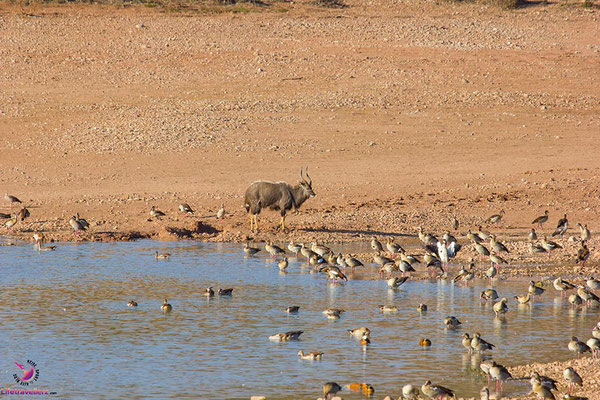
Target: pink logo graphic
(29, 374)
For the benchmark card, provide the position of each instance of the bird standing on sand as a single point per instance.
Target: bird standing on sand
(585, 232)
(23, 213)
(578, 347)
(454, 223)
(500, 374)
(594, 344)
(561, 227)
(497, 246)
(11, 199)
(481, 250)
(541, 391)
(494, 219)
(541, 219)
(154, 213)
(410, 392)
(532, 235)
(572, 377)
(582, 254)
(549, 245)
(77, 226)
(221, 212)
(186, 209)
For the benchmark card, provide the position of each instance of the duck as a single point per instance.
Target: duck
(163, 256)
(422, 307)
(523, 299)
(287, 336)
(132, 304)
(500, 307)
(294, 248)
(186, 209)
(292, 309)
(572, 377)
(479, 345)
(225, 292)
(452, 322)
(494, 219)
(561, 227)
(387, 309)
(166, 307)
(436, 391)
(541, 219)
(209, 292)
(283, 264)
(313, 355)
(500, 374)
(532, 235)
(395, 282)
(360, 331)
(154, 213)
(578, 347)
(330, 388)
(424, 342)
(250, 250)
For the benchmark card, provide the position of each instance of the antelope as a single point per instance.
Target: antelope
(277, 196)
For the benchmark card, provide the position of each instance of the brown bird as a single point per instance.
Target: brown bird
(162, 256)
(582, 254)
(185, 208)
(156, 213)
(549, 245)
(11, 199)
(541, 219)
(561, 227)
(23, 213)
(494, 219)
(330, 388)
(436, 391)
(11, 223)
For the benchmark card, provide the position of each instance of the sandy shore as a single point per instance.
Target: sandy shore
(405, 114)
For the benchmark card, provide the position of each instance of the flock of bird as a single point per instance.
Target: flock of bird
(392, 257)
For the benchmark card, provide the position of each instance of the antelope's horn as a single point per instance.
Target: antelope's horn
(302, 177)
(308, 176)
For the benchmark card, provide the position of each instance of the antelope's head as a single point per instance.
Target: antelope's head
(306, 185)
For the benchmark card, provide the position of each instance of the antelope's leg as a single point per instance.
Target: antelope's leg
(283, 223)
(256, 222)
(251, 222)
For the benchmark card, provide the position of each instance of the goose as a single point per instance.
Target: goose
(534, 289)
(186, 209)
(484, 235)
(523, 299)
(154, 213)
(479, 345)
(387, 309)
(38, 238)
(491, 273)
(582, 254)
(250, 251)
(544, 381)
(436, 391)
(549, 245)
(313, 355)
(497, 260)
(411, 259)
(494, 219)
(306, 252)
(285, 337)
(330, 388)
(24, 213)
(575, 300)
(422, 307)
(497, 246)
(488, 294)
(592, 284)
(572, 377)
(500, 307)
(11, 199)
(578, 347)
(76, 225)
(46, 248)
(273, 249)
(376, 245)
(452, 322)
(334, 311)
(410, 392)
(421, 234)
(541, 219)
(484, 393)
(283, 264)
(209, 292)
(454, 223)
(332, 314)
(392, 247)
(423, 342)
(536, 248)
(387, 268)
(561, 227)
(221, 212)
(381, 260)
(332, 258)
(132, 304)
(163, 256)
(466, 342)
(532, 235)
(541, 391)
(365, 388)
(442, 252)
(294, 248)
(448, 237)
(485, 366)
(359, 332)
(466, 275)
(482, 250)
(292, 310)
(500, 374)
(225, 292)
(594, 345)
(473, 237)
(166, 307)
(404, 267)
(596, 332)
(333, 273)
(585, 232)
(353, 262)
(395, 283)
(586, 295)
(320, 249)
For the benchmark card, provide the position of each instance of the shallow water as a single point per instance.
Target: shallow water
(66, 310)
